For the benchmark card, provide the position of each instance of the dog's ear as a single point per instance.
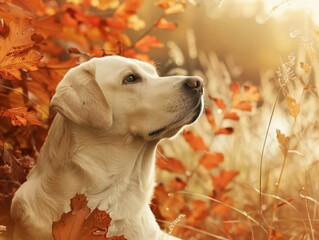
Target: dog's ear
(79, 98)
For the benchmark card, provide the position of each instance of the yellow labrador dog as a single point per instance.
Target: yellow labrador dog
(111, 113)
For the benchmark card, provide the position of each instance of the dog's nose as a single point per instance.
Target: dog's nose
(194, 83)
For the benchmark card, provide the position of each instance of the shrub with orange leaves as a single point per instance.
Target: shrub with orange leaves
(40, 40)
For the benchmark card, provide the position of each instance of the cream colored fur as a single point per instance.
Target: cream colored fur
(102, 143)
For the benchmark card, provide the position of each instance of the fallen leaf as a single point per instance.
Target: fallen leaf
(80, 224)
(70, 224)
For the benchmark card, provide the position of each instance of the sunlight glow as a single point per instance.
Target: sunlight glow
(263, 10)
(278, 8)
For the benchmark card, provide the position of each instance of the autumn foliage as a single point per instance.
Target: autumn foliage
(82, 224)
(40, 40)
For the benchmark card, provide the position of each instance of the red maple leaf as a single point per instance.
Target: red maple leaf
(80, 224)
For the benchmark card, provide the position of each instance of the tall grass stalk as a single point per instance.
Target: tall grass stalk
(261, 162)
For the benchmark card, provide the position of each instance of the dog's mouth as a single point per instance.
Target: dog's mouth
(157, 132)
(176, 125)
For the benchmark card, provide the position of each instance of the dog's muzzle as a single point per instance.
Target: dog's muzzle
(193, 89)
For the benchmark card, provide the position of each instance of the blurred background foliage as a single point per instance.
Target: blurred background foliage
(248, 169)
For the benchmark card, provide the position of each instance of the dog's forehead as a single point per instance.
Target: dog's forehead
(122, 63)
(150, 69)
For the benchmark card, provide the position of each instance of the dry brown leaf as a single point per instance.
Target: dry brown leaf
(293, 106)
(283, 141)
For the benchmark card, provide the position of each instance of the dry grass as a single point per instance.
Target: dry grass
(276, 195)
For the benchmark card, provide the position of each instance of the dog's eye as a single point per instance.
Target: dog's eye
(131, 78)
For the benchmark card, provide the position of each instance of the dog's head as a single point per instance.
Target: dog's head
(127, 97)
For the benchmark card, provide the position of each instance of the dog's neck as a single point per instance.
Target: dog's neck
(107, 171)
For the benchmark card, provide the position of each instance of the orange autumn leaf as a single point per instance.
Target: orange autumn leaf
(235, 88)
(199, 212)
(211, 160)
(162, 23)
(293, 106)
(232, 116)
(47, 26)
(219, 102)
(171, 164)
(211, 119)
(196, 142)
(275, 235)
(177, 184)
(251, 93)
(169, 204)
(20, 116)
(70, 224)
(243, 100)
(222, 209)
(224, 178)
(171, 6)
(33, 6)
(244, 106)
(16, 51)
(148, 42)
(10, 66)
(106, 4)
(309, 88)
(80, 224)
(128, 8)
(225, 131)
